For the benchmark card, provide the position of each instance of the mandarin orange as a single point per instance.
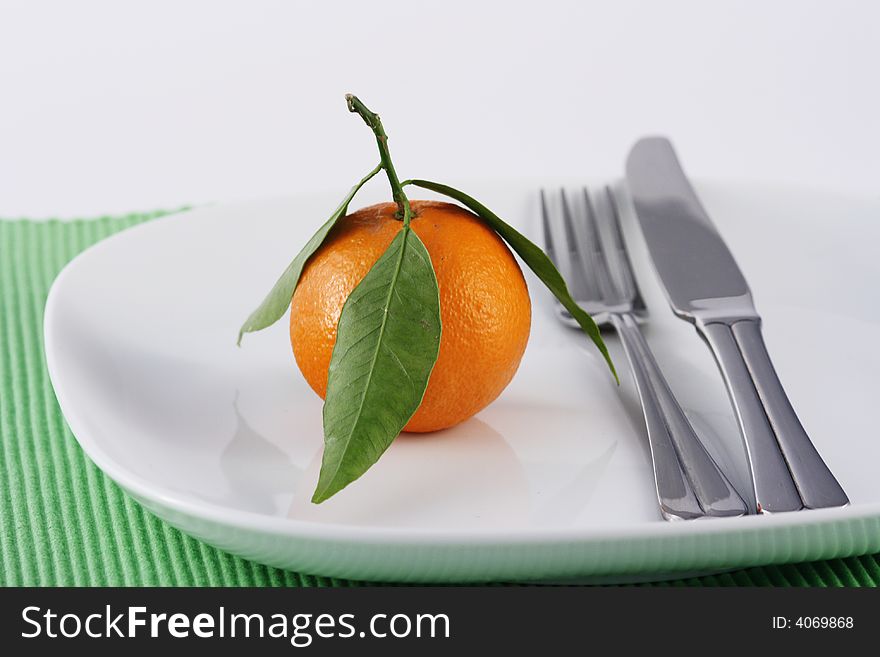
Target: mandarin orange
(484, 305)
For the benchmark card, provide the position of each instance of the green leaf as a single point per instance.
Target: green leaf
(387, 342)
(276, 302)
(532, 255)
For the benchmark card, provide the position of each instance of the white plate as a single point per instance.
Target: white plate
(552, 481)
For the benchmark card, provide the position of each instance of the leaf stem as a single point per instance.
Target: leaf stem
(404, 213)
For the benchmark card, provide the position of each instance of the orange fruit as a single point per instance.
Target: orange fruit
(484, 304)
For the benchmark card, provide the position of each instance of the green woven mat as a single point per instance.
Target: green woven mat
(63, 522)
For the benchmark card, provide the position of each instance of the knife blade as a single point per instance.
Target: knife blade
(705, 286)
(694, 264)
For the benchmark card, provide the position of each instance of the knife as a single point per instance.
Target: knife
(705, 286)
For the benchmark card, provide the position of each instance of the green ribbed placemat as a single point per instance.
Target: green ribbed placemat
(63, 522)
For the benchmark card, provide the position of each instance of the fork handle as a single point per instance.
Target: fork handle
(689, 483)
(787, 471)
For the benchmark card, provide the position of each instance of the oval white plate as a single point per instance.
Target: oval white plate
(552, 481)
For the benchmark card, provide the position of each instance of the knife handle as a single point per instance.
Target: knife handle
(689, 483)
(816, 484)
(787, 471)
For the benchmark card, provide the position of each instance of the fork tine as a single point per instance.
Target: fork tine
(585, 266)
(577, 272)
(622, 264)
(548, 234)
(568, 221)
(557, 249)
(608, 291)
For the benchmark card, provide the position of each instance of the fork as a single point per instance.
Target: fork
(592, 255)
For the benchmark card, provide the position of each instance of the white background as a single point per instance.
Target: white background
(113, 107)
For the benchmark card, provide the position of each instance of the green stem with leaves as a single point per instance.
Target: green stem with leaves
(404, 213)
